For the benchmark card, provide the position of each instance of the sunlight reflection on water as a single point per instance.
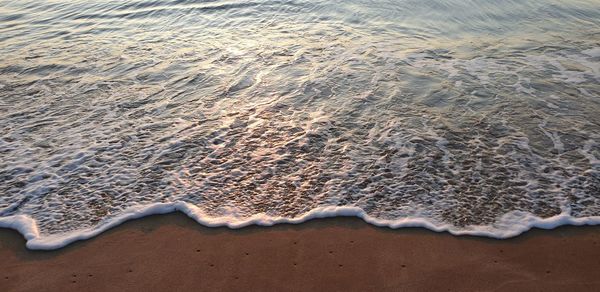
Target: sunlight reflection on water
(459, 111)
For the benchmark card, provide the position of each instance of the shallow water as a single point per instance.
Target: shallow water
(456, 112)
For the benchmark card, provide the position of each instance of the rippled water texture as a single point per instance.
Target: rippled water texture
(458, 111)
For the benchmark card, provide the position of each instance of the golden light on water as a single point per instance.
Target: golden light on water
(458, 113)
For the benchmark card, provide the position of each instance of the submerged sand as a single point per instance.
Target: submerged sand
(173, 253)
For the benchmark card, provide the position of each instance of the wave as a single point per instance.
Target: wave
(510, 225)
(473, 117)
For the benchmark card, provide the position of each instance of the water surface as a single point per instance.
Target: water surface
(456, 112)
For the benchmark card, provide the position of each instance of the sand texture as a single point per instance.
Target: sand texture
(173, 253)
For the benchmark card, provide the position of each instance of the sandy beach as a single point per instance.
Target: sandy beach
(479, 117)
(173, 253)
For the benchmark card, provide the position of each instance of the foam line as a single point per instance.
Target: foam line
(510, 225)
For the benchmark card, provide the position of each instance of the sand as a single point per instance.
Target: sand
(173, 253)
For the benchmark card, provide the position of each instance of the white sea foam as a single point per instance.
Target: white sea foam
(510, 225)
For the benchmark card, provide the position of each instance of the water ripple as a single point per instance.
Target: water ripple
(456, 111)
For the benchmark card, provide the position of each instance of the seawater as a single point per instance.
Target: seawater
(471, 116)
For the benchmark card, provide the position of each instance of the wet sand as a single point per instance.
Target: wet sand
(173, 253)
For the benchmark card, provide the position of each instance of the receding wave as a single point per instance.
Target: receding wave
(474, 117)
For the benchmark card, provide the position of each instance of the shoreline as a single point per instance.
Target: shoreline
(519, 222)
(173, 251)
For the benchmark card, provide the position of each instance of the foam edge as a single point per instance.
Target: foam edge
(510, 225)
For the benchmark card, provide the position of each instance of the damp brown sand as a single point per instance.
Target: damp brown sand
(173, 253)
